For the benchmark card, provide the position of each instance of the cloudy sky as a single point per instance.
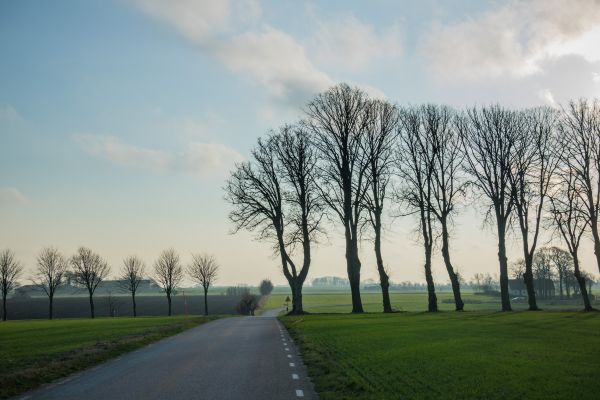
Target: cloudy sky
(119, 120)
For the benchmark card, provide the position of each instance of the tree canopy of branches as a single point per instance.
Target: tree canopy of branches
(489, 136)
(89, 269)
(337, 120)
(10, 270)
(204, 270)
(266, 287)
(51, 267)
(380, 135)
(169, 273)
(533, 168)
(132, 274)
(580, 153)
(275, 195)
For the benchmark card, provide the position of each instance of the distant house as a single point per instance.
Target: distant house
(543, 287)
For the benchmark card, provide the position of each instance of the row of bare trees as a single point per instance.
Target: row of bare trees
(350, 154)
(89, 269)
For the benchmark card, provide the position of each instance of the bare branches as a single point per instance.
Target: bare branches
(10, 270)
(89, 270)
(203, 269)
(132, 273)
(51, 267)
(168, 272)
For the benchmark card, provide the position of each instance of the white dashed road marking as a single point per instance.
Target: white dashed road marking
(299, 393)
(295, 376)
(292, 365)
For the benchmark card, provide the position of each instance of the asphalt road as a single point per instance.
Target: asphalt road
(231, 358)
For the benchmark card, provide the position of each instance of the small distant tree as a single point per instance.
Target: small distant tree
(90, 269)
(132, 274)
(204, 270)
(169, 273)
(248, 304)
(49, 275)
(10, 270)
(265, 287)
(517, 269)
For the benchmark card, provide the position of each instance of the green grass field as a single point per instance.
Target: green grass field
(38, 351)
(469, 355)
(340, 302)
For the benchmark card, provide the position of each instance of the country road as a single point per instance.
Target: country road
(230, 358)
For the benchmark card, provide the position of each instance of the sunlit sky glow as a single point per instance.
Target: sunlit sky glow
(119, 120)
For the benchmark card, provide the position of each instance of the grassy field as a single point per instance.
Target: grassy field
(340, 302)
(469, 355)
(38, 351)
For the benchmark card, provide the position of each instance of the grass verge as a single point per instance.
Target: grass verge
(469, 355)
(34, 352)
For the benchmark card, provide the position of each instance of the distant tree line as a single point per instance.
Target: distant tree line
(88, 270)
(350, 156)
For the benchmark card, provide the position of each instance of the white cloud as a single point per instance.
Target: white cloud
(274, 59)
(513, 39)
(350, 43)
(8, 113)
(197, 158)
(11, 195)
(265, 56)
(548, 98)
(596, 77)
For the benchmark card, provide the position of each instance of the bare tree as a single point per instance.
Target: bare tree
(571, 220)
(51, 267)
(563, 263)
(10, 270)
(275, 195)
(204, 269)
(169, 273)
(415, 166)
(89, 269)
(534, 165)
(580, 152)
(266, 287)
(380, 135)
(132, 274)
(297, 160)
(517, 269)
(488, 137)
(446, 184)
(338, 119)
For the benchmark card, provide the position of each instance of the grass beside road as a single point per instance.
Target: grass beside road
(448, 355)
(33, 352)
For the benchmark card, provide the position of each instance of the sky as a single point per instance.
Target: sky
(121, 119)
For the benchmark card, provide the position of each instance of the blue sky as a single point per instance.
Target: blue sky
(119, 120)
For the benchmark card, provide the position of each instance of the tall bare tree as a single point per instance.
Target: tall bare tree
(169, 273)
(132, 274)
(488, 137)
(533, 168)
(10, 270)
(275, 195)
(204, 270)
(380, 135)
(51, 267)
(89, 269)
(580, 152)
(415, 167)
(571, 220)
(338, 119)
(447, 186)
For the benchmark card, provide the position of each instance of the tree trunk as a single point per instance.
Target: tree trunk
(560, 284)
(581, 281)
(353, 269)
(92, 314)
(297, 307)
(50, 301)
(431, 296)
(458, 302)
(4, 306)
(134, 305)
(169, 303)
(596, 236)
(205, 301)
(384, 279)
(504, 294)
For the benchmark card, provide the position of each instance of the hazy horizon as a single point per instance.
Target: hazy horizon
(119, 120)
